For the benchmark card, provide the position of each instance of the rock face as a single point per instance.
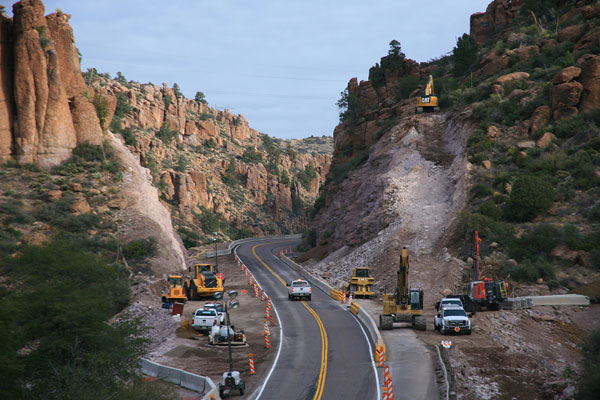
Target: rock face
(42, 88)
(590, 80)
(498, 15)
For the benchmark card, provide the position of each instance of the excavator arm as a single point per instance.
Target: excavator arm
(429, 87)
(402, 289)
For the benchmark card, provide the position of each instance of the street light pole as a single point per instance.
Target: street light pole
(216, 252)
(229, 338)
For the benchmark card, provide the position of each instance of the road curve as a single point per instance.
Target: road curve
(324, 352)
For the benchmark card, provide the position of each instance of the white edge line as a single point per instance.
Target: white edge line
(375, 372)
(264, 384)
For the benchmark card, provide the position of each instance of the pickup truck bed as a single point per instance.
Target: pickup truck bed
(204, 319)
(299, 289)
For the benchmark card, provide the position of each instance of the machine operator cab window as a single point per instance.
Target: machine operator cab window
(416, 300)
(362, 273)
(173, 280)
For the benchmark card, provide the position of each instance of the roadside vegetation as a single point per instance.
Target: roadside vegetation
(63, 286)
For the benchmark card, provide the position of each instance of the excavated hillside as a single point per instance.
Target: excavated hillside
(514, 154)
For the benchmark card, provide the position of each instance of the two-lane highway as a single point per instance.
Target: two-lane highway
(325, 353)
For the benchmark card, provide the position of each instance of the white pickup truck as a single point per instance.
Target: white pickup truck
(205, 318)
(299, 289)
(452, 318)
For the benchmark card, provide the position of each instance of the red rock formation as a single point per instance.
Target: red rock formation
(498, 15)
(51, 115)
(6, 97)
(590, 79)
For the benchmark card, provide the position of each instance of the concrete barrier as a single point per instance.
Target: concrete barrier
(235, 243)
(197, 383)
(560, 300)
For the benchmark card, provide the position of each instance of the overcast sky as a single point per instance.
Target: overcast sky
(281, 64)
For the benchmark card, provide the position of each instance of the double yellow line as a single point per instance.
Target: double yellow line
(323, 369)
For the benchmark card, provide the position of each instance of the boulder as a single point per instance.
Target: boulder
(75, 187)
(524, 53)
(80, 206)
(526, 144)
(493, 132)
(572, 33)
(54, 195)
(564, 113)
(565, 95)
(566, 75)
(590, 80)
(545, 140)
(6, 90)
(487, 164)
(498, 82)
(587, 41)
(540, 118)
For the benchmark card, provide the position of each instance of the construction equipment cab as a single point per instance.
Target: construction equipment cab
(406, 304)
(485, 292)
(203, 283)
(429, 102)
(361, 283)
(175, 288)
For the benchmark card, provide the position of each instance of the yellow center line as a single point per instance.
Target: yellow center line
(323, 369)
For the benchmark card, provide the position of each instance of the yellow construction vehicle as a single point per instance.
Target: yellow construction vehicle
(360, 283)
(429, 102)
(405, 304)
(203, 283)
(175, 289)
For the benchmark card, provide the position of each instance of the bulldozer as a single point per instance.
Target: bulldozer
(175, 288)
(204, 282)
(361, 283)
(429, 102)
(405, 304)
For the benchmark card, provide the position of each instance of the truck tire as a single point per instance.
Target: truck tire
(193, 292)
(186, 290)
(420, 323)
(309, 297)
(386, 322)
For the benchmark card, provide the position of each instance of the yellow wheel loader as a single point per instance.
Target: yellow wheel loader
(405, 304)
(204, 282)
(429, 102)
(175, 288)
(361, 283)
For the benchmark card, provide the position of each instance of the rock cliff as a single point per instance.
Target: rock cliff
(519, 103)
(46, 113)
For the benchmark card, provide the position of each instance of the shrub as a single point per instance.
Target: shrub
(138, 249)
(490, 209)
(230, 176)
(251, 156)
(406, 85)
(530, 197)
(594, 213)
(539, 241)
(13, 209)
(101, 107)
(376, 76)
(305, 177)
(166, 134)
(210, 143)
(566, 128)
(529, 270)
(123, 105)
(589, 386)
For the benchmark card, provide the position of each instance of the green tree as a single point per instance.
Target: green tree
(101, 107)
(530, 197)
(396, 49)
(120, 78)
(465, 54)
(200, 97)
(73, 352)
(166, 134)
(176, 90)
(230, 176)
(350, 107)
(251, 156)
(123, 105)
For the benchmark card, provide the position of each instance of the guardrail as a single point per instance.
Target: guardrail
(197, 383)
(336, 294)
(235, 243)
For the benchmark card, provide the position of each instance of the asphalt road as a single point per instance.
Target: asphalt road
(324, 354)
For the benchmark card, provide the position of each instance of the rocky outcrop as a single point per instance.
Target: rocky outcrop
(6, 83)
(590, 81)
(48, 114)
(498, 15)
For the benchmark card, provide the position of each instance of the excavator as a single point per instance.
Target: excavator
(204, 283)
(405, 304)
(485, 292)
(429, 102)
(361, 283)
